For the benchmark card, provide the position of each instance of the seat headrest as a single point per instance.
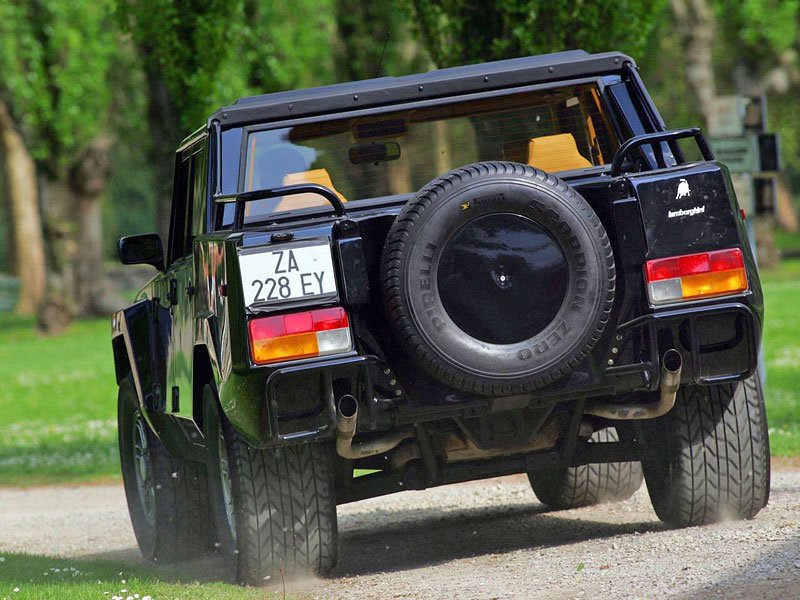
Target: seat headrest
(554, 153)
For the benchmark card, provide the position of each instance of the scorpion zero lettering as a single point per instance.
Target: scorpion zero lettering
(578, 301)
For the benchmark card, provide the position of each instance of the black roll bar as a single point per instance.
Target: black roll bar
(288, 190)
(654, 138)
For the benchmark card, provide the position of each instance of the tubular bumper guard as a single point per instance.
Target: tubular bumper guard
(718, 343)
(320, 421)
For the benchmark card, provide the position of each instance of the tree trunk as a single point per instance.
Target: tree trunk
(59, 307)
(88, 180)
(166, 132)
(695, 21)
(26, 226)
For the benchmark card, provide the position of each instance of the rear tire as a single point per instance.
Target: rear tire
(282, 510)
(587, 485)
(710, 459)
(167, 497)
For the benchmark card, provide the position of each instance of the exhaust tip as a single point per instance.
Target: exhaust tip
(672, 361)
(348, 406)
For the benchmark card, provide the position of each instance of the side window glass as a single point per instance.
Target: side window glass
(200, 195)
(182, 194)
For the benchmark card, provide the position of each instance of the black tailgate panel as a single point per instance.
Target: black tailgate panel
(687, 210)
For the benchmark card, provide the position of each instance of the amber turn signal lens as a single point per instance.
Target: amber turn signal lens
(695, 276)
(304, 334)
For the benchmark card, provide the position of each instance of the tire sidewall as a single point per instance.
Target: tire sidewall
(524, 195)
(213, 424)
(127, 410)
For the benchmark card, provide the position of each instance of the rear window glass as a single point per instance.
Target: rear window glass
(398, 153)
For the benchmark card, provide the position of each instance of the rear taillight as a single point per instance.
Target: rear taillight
(300, 335)
(695, 276)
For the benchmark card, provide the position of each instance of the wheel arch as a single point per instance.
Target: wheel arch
(122, 364)
(204, 374)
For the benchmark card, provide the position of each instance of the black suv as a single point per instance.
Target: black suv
(407, 282)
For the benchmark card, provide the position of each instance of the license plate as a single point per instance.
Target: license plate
(286, 273)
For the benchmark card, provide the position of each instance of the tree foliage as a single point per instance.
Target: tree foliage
(757, 31)
(286, 45)
(211, 52)
(186, 42)
(374, 39)
(462, 31)
(54, 57)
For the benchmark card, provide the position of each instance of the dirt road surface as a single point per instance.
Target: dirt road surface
(488, 539)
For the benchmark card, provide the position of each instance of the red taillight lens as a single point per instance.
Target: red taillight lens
(695, 276)
(300, 335)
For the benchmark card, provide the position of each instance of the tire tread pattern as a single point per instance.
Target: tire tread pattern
(286, 510)
(716, 465)
(588, 485)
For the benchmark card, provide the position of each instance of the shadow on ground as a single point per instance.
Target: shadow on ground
(386, 540)
(392, 540)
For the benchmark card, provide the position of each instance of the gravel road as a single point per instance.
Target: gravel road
(488, 539)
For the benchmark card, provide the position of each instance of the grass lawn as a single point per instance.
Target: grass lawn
(58, 395)
(57, 403)
(782, 355)
(26, 577)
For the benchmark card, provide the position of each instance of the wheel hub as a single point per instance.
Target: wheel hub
(502, 278)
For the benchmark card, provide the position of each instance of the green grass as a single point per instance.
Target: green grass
(786, 241)
(58, 395)
(57, 403)
(27, 577)
(782, 355)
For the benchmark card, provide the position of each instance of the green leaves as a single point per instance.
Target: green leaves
(459, 31)
(54, 57)
(211, 52)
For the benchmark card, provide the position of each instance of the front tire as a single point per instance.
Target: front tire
(274, 509)
(167, 497)
(587, 485)
(709, 458)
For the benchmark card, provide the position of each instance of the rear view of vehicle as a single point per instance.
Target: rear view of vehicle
(408, 282)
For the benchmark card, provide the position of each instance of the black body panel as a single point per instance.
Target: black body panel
(676, 224)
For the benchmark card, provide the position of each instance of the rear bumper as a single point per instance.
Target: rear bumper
(718, 341)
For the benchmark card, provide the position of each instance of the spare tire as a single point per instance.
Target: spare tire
(498, 278)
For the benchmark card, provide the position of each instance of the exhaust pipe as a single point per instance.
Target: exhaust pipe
(671, 366)
(347, 416)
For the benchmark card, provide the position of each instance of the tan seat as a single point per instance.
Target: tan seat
(555, 153)
(295, 201)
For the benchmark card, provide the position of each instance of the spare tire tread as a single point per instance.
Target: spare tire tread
(401, 319)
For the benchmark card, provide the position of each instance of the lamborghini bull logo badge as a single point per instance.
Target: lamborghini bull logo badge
(683, 190)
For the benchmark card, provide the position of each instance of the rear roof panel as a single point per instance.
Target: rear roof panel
(385, 91)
